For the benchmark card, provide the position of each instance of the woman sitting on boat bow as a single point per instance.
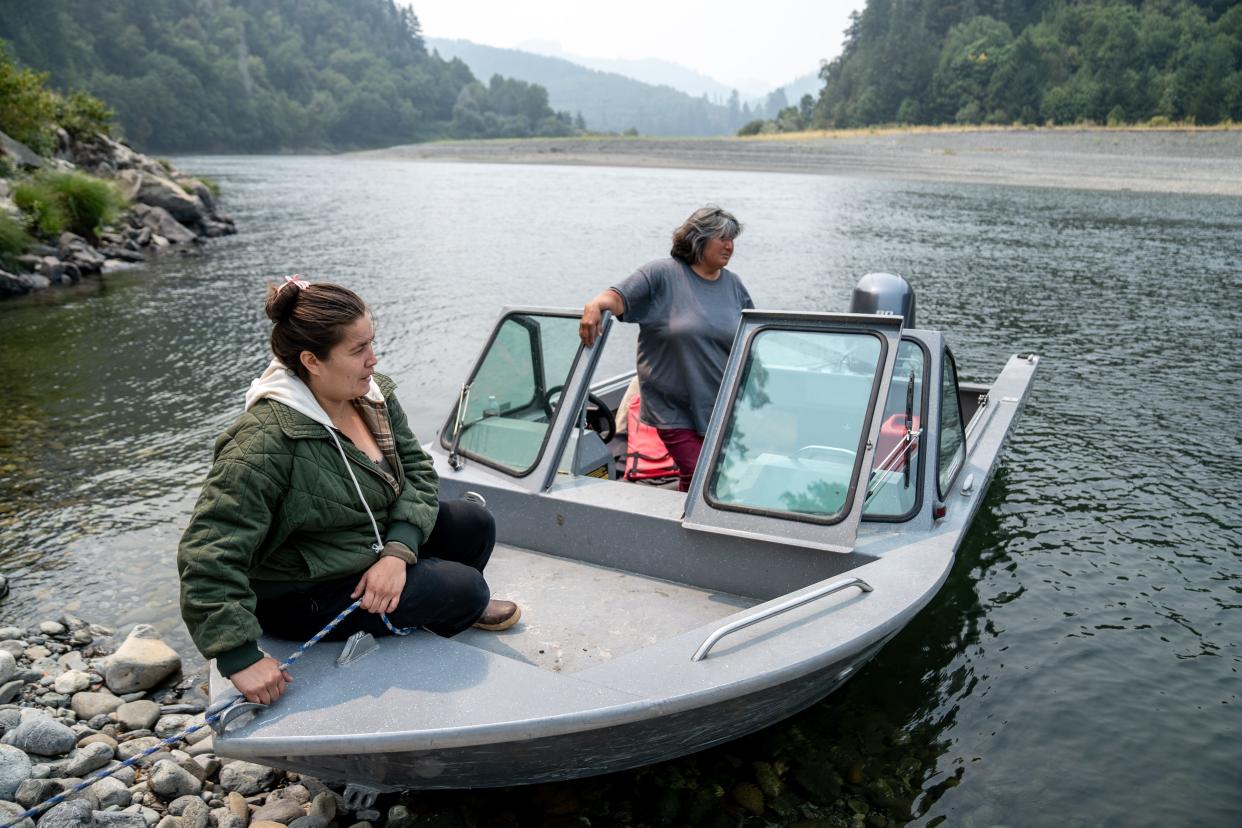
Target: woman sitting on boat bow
(319, 495)
(687, 307)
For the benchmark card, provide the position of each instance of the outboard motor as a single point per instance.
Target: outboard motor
(885, 293)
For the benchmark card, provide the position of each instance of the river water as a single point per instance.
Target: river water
(1080, 666)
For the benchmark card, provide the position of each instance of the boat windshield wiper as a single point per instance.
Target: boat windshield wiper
(454, 459)
(909, 422)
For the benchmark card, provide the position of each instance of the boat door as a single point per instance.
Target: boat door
(519, 407)
(795, 428)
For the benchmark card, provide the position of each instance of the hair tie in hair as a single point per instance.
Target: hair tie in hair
(297, 281)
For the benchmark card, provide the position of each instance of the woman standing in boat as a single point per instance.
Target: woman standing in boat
(688, 308)
(320, 495)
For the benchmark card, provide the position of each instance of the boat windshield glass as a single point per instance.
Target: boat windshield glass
(515, 391)
(798, 424)
(894, 484)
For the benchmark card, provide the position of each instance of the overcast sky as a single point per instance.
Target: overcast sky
(733, 41)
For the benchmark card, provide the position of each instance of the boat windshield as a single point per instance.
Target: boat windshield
(892, 491)
(515, 391)
(798, 424)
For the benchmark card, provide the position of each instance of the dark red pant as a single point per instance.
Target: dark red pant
(685, 444)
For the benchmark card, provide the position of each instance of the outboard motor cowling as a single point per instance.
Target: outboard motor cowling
(885, 293)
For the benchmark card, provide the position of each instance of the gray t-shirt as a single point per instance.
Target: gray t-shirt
(686, 329)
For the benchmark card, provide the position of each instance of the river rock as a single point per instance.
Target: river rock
(309, 821)
(10, 689)
(324, 806)
(236, 803)
(111, 791)
(75, 813)
(141, 662)
(33, 791)
(72, 660)
(161, 193)
(92, 757)
(99, 739)
(168, 779)
(196, 814)
(10, 811)
(130, 749)
(118, 819)
(15, 769)
(55, 627)
(14, 647)
(72, 681)
(399, 816)
(138, 715)
(44, 736)
(8, 666)
(279, 810)
(172, 723)
(165, 229)
(87, 705)
(246, 778)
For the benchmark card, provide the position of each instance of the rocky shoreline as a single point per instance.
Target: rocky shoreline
(70, 708)
(169, 211)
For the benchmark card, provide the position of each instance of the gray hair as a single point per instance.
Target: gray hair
(704, 224)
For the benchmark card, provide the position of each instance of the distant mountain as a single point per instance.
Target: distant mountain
(608, 102)
(654, 71)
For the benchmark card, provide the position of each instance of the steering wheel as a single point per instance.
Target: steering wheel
(598, 414)
(829, 449)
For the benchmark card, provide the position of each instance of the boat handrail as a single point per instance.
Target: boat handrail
(784, 606)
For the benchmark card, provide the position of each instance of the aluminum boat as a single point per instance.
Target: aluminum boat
(842, 467)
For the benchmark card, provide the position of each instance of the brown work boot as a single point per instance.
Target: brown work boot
(499, 615)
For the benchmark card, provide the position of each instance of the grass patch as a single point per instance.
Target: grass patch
(14, 240)
(210, 184)
(58, 201)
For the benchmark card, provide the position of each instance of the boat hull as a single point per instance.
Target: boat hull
(581, 753)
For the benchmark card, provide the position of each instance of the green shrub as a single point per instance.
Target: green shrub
(14, 240)
(83, 115)
(41, 205)
(72, 201)
(751, 127)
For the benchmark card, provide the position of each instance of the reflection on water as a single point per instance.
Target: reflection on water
(1081, 663)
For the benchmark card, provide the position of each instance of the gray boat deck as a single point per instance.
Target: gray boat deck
(578, 615)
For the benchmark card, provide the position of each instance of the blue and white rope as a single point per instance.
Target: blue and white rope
(214, 714)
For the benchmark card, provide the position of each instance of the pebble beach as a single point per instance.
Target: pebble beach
(1187, 161)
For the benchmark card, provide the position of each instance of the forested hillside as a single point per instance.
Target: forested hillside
(263, 75)
(1036, 61)
(608, 102)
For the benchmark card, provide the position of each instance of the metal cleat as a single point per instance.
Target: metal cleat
(356, 646)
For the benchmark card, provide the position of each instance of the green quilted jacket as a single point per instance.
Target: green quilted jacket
(279, 508)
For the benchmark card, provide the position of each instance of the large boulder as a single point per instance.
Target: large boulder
(17, 284)
(162, 223)
(141, 662)
(21, 154)
(158, 191)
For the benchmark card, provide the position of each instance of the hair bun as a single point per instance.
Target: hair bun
(283, 298)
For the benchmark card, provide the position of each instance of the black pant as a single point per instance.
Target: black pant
(444, 592)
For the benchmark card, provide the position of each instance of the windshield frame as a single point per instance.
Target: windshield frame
(789, 528)
(446, 431)
(920, 449)
(709, 464)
